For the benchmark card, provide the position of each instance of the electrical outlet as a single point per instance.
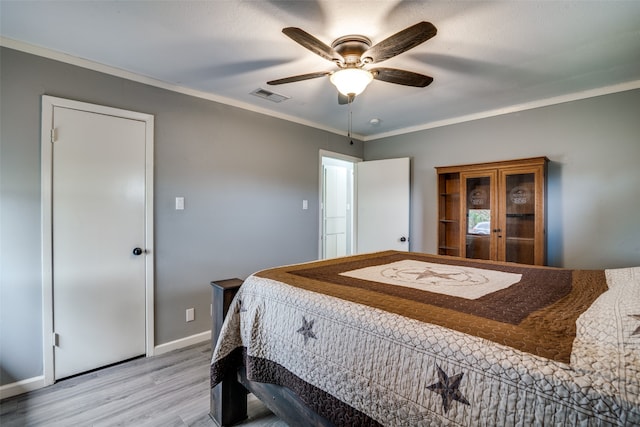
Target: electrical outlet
(191, 314)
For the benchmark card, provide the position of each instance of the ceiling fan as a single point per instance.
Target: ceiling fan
(351, 54)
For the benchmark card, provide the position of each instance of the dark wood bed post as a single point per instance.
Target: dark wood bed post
(229, 398)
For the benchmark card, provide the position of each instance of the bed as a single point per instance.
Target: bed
(410, 339)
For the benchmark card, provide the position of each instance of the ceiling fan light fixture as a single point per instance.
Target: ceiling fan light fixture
(351, 81)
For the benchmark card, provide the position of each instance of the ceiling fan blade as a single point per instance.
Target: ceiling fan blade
(313, 44)
(345, 99)
(299, 78)
(400, 42)
(401, 77)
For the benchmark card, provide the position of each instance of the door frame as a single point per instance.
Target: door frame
(346, 158)
(46, 169)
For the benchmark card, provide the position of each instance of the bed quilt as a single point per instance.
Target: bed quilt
(406, 339)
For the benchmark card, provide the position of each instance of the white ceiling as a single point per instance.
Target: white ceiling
(488, 56)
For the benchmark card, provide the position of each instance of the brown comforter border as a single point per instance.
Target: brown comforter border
(537, 315)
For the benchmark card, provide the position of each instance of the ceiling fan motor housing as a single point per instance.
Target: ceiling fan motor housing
(351, 49)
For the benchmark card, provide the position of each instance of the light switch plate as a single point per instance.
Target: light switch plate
(179, 203)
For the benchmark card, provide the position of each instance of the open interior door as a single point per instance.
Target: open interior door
(382, 205)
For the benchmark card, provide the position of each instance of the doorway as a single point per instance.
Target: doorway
(97, 190)
(364, 206)
(336, 204)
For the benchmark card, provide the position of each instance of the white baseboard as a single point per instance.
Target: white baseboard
(182, 342)
(22, 386)
(35, 383)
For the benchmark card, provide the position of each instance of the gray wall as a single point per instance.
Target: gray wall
(243, 176)
(594, 174)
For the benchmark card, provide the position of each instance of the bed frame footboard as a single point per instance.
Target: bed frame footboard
(229, 398)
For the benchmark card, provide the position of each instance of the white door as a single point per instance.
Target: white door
(98, 219)
(383, 200)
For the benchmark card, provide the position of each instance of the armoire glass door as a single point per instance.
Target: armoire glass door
(520, 217)
(479, 213)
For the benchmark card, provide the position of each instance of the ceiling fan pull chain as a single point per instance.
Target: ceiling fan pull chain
(350, 123)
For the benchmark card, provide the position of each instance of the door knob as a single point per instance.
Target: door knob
(403, 239)
(137, 251)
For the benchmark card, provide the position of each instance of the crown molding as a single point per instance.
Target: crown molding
(576, 96)
(118, 72)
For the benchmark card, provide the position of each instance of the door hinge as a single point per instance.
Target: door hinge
(53, 135)
(56, 340)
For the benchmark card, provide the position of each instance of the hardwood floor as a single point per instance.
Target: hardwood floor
(168, 390)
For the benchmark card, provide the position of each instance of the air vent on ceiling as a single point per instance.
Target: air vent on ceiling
(271, 96)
